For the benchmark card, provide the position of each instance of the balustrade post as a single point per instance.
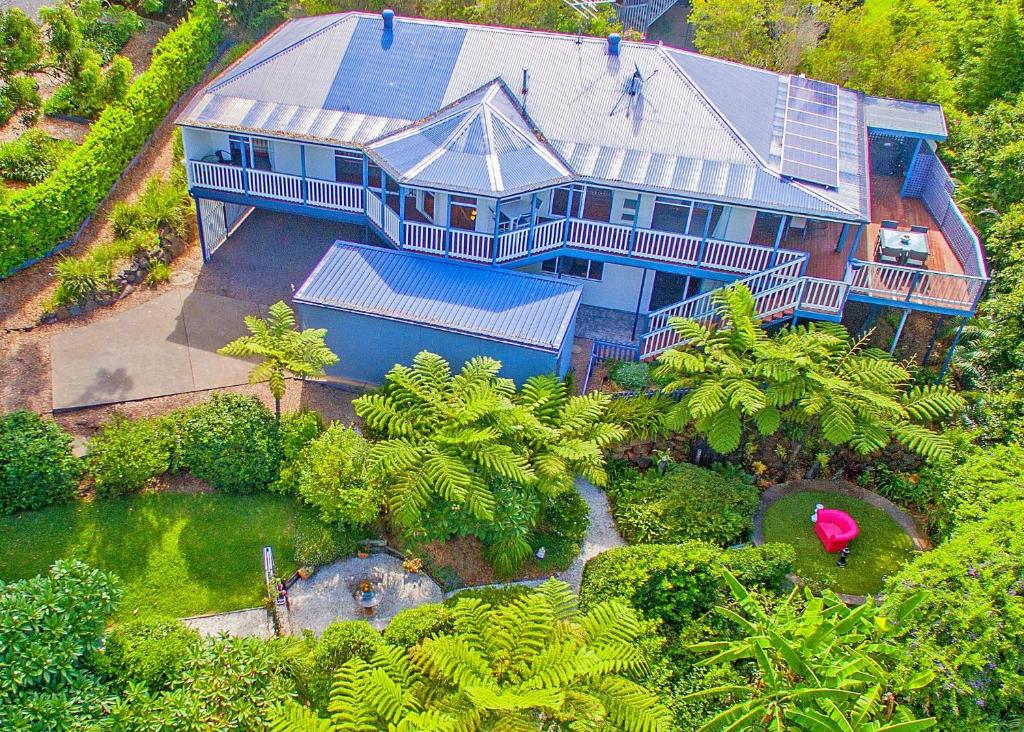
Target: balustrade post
(448, 228)
(842, 238)
(497, 230)
(702, 249)
(778, 240)
(856, 243)
(302, 167)
(401, 217)
(568, 213)
(245, 170)
(366, 181)
(632, 238)
(533, 223)
(915, 279)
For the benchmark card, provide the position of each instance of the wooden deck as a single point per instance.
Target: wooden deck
(820, 238)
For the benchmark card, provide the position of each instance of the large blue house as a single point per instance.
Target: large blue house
(647, 174)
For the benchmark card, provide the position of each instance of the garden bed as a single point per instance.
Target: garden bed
(176, 554)
(881, 548)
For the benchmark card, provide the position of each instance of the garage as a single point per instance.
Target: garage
(381, 307)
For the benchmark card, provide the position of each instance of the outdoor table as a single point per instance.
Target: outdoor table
(903, 247)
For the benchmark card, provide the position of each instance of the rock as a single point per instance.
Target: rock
(75, 310)
(128, 290)
(643, 462)
(47, 318)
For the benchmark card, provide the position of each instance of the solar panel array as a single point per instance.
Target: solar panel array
(810, 143)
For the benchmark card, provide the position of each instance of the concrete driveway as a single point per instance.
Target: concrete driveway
(165, 346)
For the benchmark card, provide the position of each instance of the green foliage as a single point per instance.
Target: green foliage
(631, 375)
(229, 684)
(257, 16)
(295, 431)
(230, 442)
(451, 438)
(283, 348)
(504, 667)
(562, 525)
(108, 27)
(317, 543)
(49, 627)
(20, 93)
(33, 220)
(990, 156)
(36, 464)
(971, 490)
(820, 665)
(80, 279)
(32, 156)
(414, 625)
(20, 44)
(815, 376)
(153, 652)
(641, 416)
(91, 89)
(338, 644)
(970, 629)
(998, 70)
(331, 475)
(126, 454)
(687, 502)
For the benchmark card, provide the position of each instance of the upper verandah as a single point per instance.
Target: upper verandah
(641, 116)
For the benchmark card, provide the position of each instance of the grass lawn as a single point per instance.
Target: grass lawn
(177, 554)
(880, 548)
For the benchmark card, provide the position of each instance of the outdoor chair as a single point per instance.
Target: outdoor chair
(919, 229)
(836, 529)
(890, 224)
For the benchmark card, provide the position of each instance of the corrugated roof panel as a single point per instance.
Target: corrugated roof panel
(901, 115)
(497, 304)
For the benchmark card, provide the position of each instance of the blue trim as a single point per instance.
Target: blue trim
(783, 222)
(899, 330)
(302, 167)
(401, 218)
(497, 227)
(280, 206)
(910, 168)
(905, 133)
(202, 239)
(632, 238)
(366, 180)
(856, 297)
(842, 238)
(952, 347)
(931, 343)
(626, 261)
(568, 213)
(811, 315)
(246, 148)
(855, 244)
(533, 224)
(448, 226)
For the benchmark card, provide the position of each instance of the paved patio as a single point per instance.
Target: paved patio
(165, 346)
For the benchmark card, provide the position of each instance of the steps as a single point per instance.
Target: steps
(639, 16)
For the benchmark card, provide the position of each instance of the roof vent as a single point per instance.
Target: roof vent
(613, 44)
(389, 20)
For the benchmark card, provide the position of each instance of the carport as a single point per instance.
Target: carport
(381, 307)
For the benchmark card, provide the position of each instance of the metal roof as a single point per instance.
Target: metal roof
(480, 144)
(701, 127)
(900, 115)
(496, 304)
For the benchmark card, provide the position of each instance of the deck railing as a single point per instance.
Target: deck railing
(339, 196)
(215, 176)
(827, 297)
(276, 186)
(374, 209)
(916, 286)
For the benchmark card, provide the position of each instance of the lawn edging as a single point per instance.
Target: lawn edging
(843, 488)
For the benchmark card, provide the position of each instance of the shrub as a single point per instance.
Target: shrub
(159, 272)
(970, 628)
(631, 375)
(317, 543)
(150, 652)
(32, 221)
(339, 643)
(412, 625)
(163, 203)
(126, 454)
(971, 490)
(764, 566)
(333, 478)
(33, 156)
(80, 279)
(20, 93)
(493, 596)
(296, 431)
(111, 29)
(49, 627)
(36, 464)
(230, 442)
(688, 502)
(561, 527)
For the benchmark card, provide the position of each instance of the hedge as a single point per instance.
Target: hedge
(37, 467)
(34, 220)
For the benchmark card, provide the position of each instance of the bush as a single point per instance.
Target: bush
(339, 643)
(164, 203)
(150, 652)
(631, 375)
(50, 626)
(230, 442)
(33, 156)
(764, 566)
(332, 476)
(687, 503)
(971, 490)
(561, 527)
(493, 596)
(317, 543)
(32, 221)
(415, 624)
(126, 454)
(111, 29)
(970, 628)
(80, 279)
(36, 464)
(20, 93)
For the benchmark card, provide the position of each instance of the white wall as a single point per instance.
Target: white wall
(287, 157)
(319, 162)
(200, 143)
(617, 290)
(740, 224)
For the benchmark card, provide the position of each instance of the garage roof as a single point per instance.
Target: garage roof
(511, 307)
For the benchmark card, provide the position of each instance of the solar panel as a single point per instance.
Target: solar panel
(810, 141)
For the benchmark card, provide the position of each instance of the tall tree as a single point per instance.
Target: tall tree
(284, 350)
(819, 665)
(772, 34)
(733, 372)
(998, 71)
(533, 664)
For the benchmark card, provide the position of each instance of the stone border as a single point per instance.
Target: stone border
(842, 488)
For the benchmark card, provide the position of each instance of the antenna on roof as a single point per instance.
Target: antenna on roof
(526, 86)
(633, 89)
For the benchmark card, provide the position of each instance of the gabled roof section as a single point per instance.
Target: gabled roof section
(482, 143)
(918, 119)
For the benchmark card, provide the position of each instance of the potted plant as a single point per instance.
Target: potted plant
(305, 572)
(412, 565)
(362, 552)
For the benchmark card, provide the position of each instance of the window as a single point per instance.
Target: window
(373, 176)
(261, 154)
(584, 269)
(426, 205)
(680, 216)
(240, 150)
(348, 168)
(463, 213)
(597, 204)
(560, 201)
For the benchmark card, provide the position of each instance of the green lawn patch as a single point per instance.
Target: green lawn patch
(176, 554)
(879, 550)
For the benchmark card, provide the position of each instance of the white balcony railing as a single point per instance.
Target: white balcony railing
(917, 286)
(424, 238)
(548, 236)
(471, 245)
(338, 196)
(216, 176)
(374, 208)
(513, 245)
(823, 296)
(276, 186)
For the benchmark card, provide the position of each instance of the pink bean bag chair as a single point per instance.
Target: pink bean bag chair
(836, 529)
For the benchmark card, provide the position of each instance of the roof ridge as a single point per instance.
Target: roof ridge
(290, 47)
